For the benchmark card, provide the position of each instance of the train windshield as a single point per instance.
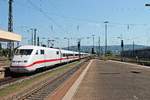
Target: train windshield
(23, 51)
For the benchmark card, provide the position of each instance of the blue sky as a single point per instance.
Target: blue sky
(60, 18)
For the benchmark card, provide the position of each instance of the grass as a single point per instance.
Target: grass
(27, 83)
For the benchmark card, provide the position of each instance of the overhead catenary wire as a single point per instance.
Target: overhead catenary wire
(78, 19)
(46, 15)
(94, 21)
(74, 18)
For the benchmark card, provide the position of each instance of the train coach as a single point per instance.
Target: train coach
(30, 58)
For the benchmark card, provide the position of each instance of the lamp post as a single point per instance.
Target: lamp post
(106, 22)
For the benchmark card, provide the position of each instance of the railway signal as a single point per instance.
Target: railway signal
(122, 49)
(79, 48)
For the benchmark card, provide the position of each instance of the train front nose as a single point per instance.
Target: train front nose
(19, 64)
(19, 61)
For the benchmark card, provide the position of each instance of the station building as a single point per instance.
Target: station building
(6, 36)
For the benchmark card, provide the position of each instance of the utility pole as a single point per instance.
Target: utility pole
(68, 43)
(106, 22)
(93, 44)
(133, 49)
(31, 35)
(10, 44)
(35, 36)
(99, 46)
(38, 41)
(10, 17)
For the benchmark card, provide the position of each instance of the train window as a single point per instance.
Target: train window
(64, 54)
(57, 52)
(76, 54)
(70, 54)
(42, 52)
(36, 52)
(23, 51)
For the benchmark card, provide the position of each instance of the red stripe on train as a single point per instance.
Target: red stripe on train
(44, 61)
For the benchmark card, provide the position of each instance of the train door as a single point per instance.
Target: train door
(42, 57)
(58, 56)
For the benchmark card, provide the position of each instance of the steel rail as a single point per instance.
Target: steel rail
(40, 91)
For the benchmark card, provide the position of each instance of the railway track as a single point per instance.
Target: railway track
(9, 80)
(46, 87)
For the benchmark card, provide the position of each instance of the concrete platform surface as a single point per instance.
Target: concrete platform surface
(107, 80)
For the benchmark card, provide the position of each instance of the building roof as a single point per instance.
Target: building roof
(9, 36)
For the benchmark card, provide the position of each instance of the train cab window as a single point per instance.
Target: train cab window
(57, 52)
(23, 51)
(42, 52)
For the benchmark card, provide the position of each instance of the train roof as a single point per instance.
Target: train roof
(39, 47)
(34, 47)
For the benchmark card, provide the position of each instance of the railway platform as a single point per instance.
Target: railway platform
(110, 80)
(4, 66)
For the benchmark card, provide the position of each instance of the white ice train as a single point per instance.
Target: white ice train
(30, 58)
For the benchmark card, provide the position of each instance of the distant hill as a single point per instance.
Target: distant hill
(113, 48)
